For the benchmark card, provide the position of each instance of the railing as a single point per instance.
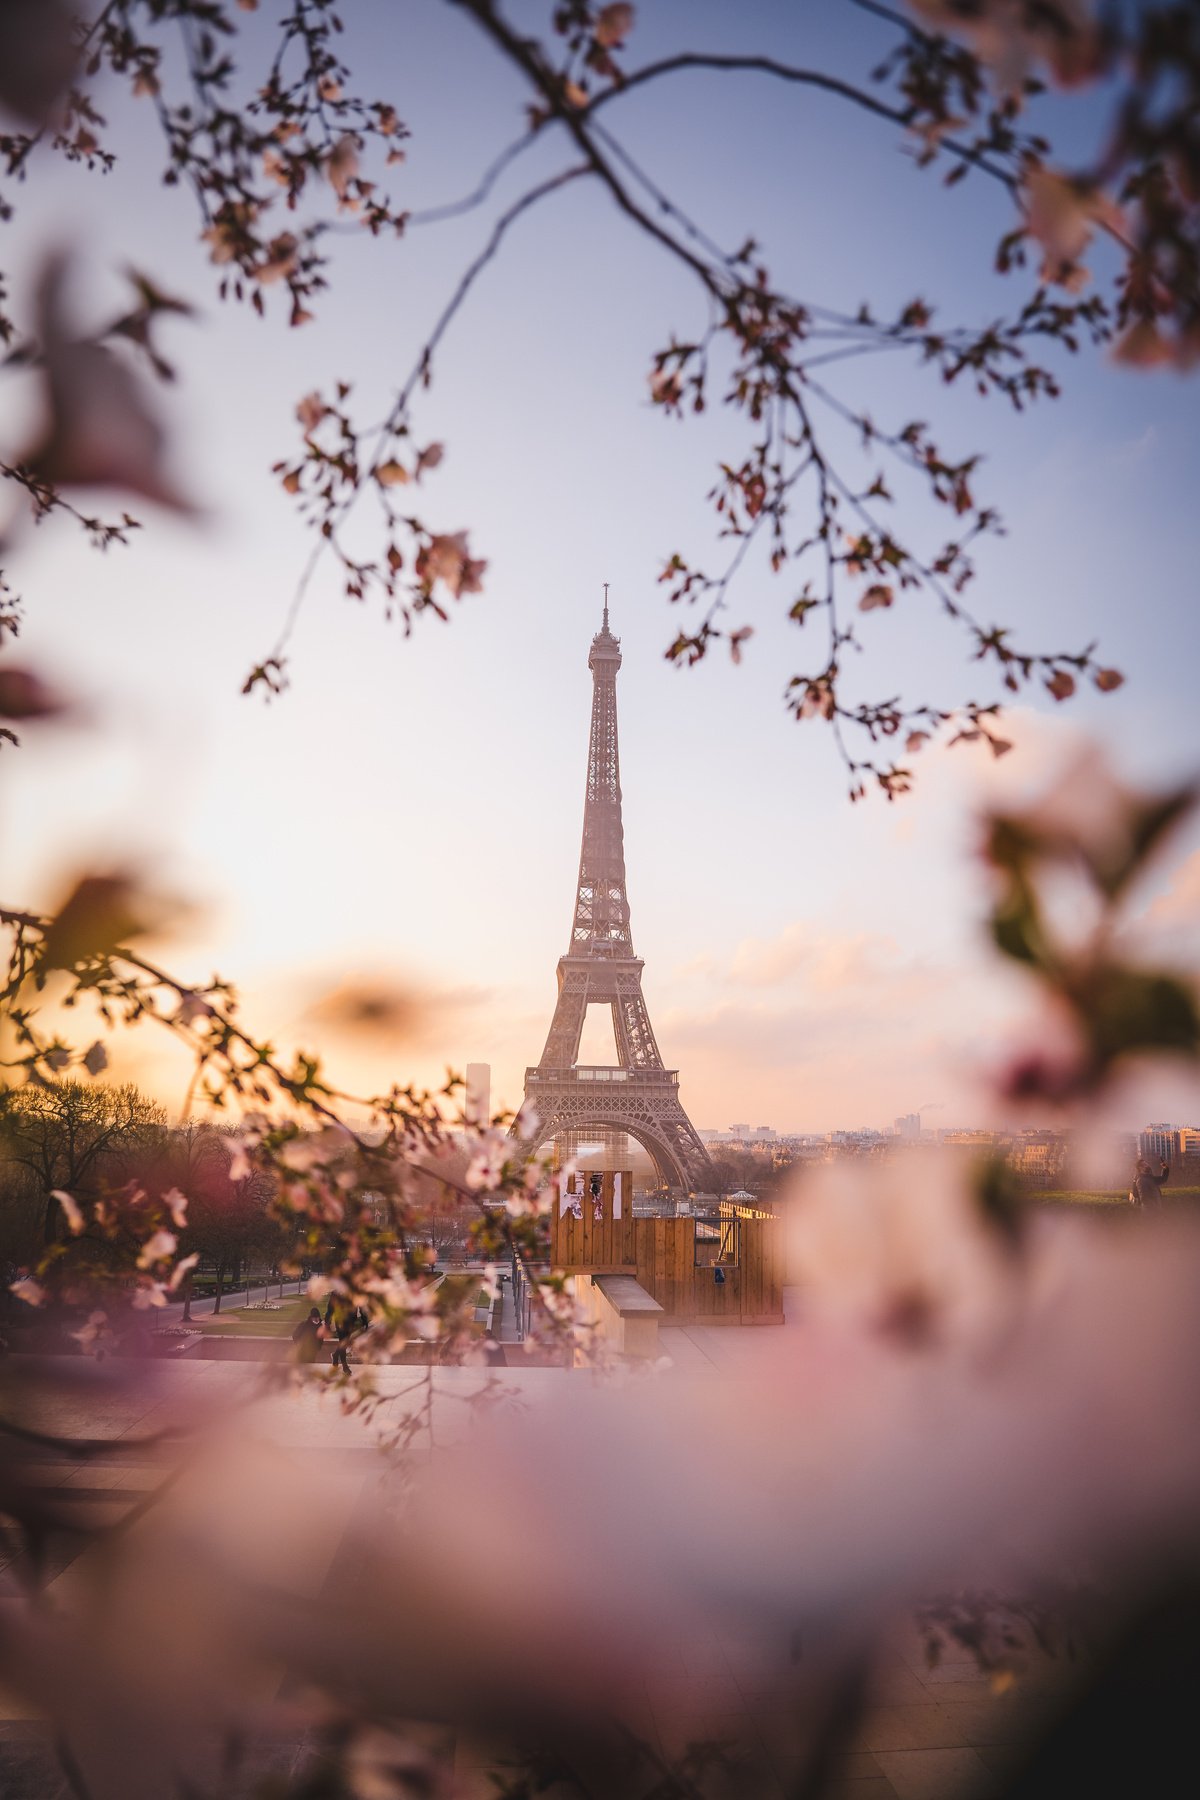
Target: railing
(586, 1072)
(522, 1298)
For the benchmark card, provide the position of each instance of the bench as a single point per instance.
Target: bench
(628, 1315)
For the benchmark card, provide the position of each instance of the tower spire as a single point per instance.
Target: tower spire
(605, 626)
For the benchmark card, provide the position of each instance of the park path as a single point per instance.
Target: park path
(230, 1301)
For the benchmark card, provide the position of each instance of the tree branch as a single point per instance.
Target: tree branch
(767, 65)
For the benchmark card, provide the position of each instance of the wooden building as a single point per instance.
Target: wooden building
(721, 1268)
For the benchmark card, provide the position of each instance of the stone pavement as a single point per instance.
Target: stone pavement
(929, 1734)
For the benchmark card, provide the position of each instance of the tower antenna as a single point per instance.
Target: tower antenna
(606, 606)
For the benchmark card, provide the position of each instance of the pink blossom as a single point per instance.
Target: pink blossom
(24, 695)
(102, 432)
(901, 1249)
(342, 166)
(613, 24)
(150, 1294)
(1062, 215)
(95, 1332)
(666, 388)
(192, 1007)
(75, 1218)
(446, 558)
(527, 1123)
(157, 1248)
(182, 1270)
(239, 1162)
(37, 56)
(530, 1205)
(177, 1205)
(310, 411)
(486, 1167)
(281, 259)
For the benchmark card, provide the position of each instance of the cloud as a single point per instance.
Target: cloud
(1134, 450)
(861, 1034)
(828, 961)
(406, 1015)
(696, 968)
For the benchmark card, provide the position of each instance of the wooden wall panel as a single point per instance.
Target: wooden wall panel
(591, 1243)
(661, 1253)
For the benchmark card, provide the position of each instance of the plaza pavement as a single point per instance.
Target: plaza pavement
(929, 1734)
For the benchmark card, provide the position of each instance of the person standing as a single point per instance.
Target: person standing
(307, 1337)
(1147, 1188)
(342, 1330)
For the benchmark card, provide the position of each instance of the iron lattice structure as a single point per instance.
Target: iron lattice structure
(638, 1095)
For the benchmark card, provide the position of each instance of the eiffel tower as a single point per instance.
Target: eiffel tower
(638, 1096)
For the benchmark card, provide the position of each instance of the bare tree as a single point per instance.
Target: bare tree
(75, 1138)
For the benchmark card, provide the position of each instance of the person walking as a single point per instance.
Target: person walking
(1147, 1188)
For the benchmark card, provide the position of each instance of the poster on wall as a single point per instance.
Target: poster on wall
(570, 1196)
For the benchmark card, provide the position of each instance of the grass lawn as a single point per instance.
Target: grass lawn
(247, 1322)
(458, 1286)
(1111, 1197)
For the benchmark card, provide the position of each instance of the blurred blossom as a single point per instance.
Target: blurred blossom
(102, 430)
(71, 1211)
(177, 1205)
(182, 1270)
(901, 1249)
(24, 695)
(151, 1294)
(840, 1479)
(239, 1161)
(527, 1123)
(490, 1150)
(157, 1249)
(1013, 39)
(37, 56)
(191, 1008)
(95, 1334)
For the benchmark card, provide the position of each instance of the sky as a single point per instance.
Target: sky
(405, 821)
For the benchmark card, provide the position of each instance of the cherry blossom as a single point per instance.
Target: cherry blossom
(95, 1334)
(74, 1216)
(102, 431)
(177, 1205)
(156, 1249)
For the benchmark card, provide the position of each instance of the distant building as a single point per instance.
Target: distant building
(1159, 1142)
(740, 1132)
(908, 1126)
(478, 1103)
(805, 1148)
(863, 1142)
(1037, 1156)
